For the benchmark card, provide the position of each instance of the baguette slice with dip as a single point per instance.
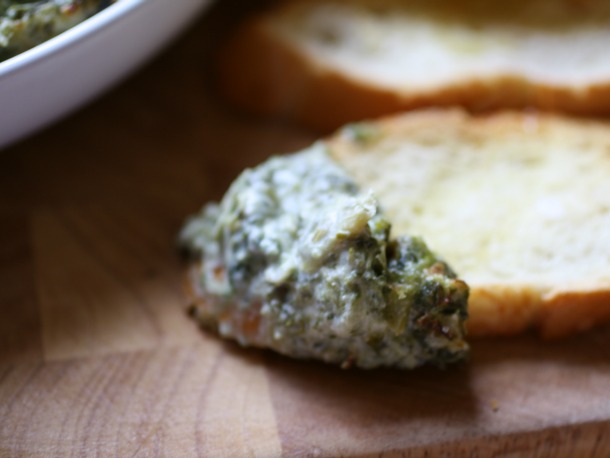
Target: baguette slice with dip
(324, 253)
(298, 258)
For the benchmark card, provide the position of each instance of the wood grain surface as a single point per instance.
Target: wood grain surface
(97, 354)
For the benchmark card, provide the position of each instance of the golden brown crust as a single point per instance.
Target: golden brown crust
(502, 311)
(512, 310)
(267, 76)
(574, 311)
(423, 126)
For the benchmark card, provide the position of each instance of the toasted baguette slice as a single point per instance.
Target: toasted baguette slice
(517, 204)
(328, 62)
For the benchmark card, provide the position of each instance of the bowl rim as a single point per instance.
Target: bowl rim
(83, 30)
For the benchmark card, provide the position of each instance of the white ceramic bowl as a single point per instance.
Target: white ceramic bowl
(47, 82)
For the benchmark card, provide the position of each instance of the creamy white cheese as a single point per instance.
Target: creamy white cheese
(296, 258)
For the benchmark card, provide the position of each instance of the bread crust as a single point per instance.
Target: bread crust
(503, 311)
(267, 75)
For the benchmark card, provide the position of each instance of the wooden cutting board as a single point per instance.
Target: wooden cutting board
(97, 355)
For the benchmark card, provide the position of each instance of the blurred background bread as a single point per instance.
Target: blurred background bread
(328, 62)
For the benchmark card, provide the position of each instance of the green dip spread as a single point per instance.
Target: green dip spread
(25, 24)
(298, 259)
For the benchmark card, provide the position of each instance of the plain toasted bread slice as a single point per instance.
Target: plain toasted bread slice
(328, 62)
(517, 204)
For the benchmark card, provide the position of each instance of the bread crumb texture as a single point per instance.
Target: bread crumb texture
(517, 204)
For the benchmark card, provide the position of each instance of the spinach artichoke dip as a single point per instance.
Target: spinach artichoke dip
(298, 259)
(27, 23)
